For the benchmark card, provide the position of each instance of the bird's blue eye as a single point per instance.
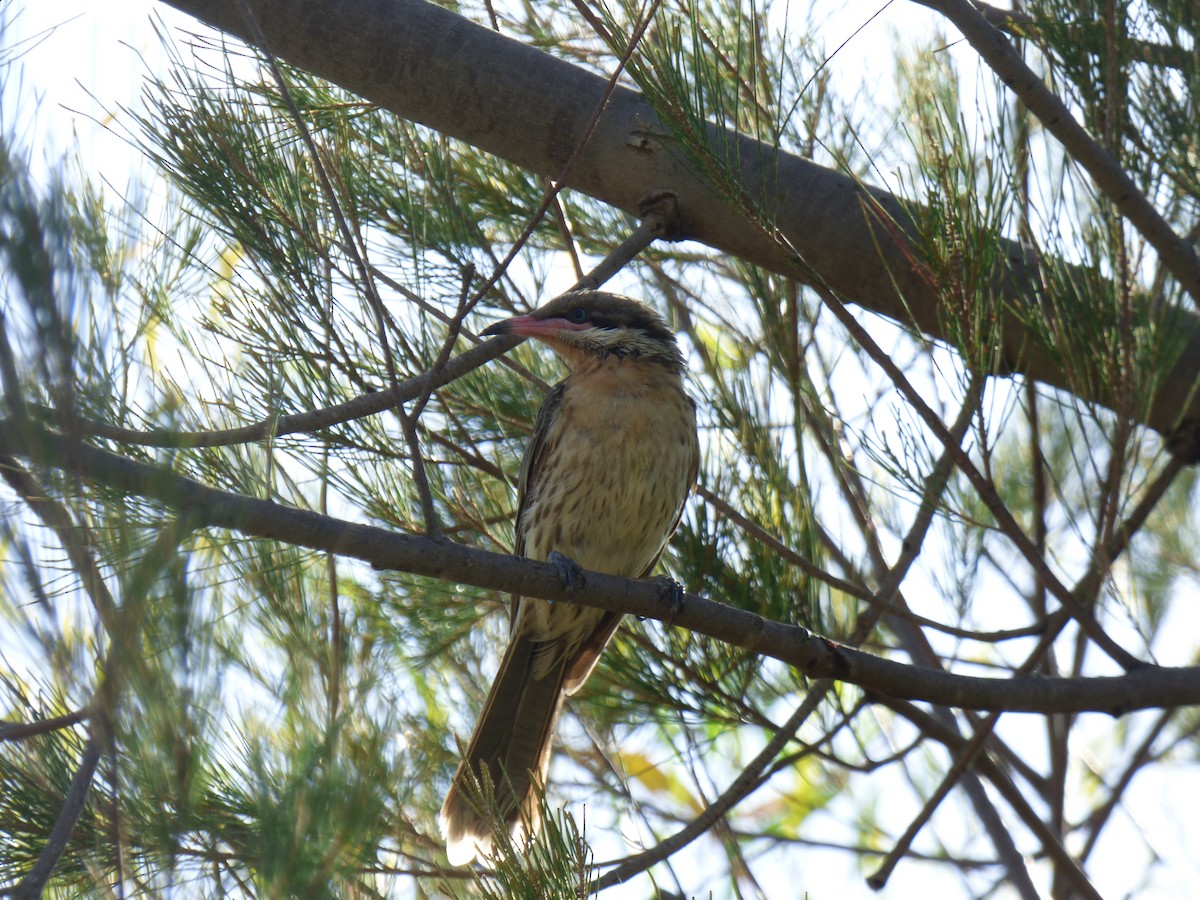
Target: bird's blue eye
(578, 314)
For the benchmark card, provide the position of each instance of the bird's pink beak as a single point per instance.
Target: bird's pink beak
(528, 326)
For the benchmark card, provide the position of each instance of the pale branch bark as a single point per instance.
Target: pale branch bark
(434, 67)
(1146, 687)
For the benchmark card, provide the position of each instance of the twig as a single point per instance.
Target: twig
(557, 185)
(408, 425)
(309, 421)
(940, 732)
(783, 551)
(32, 885)
(935, 484)
(466, 303)
(654, 226)
(568, 239)
(965, 759)
(1098, 818)
(748, 779)
(16, 731)
(660, 219)
(889, 588)
(995, 50)
(983, 730)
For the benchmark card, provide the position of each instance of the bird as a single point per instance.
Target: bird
(611, 460)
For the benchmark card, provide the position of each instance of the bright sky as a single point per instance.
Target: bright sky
(81, 60)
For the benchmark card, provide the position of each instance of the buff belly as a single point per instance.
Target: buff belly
(608, 494)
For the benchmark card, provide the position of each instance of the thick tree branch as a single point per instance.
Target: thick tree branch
(428, 64)
(1148, 687)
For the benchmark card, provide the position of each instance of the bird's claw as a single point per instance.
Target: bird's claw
(570, 573)
(673, 593)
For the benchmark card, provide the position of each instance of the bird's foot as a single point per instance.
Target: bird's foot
(671, 591)
(570, 573)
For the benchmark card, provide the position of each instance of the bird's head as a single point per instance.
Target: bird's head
(593, 324)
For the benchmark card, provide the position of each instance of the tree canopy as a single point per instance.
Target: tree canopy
(259, 470)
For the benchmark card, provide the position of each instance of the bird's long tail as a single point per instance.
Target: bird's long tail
(509, 749)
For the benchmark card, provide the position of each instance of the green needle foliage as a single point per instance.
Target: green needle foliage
(280, 721)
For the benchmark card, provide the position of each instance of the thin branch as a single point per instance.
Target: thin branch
(310, 421)
(660, 220)
(783, 551)
(57, 518)
(16, 731)
(465, 304)
(918, 646)
(564, 231)
(32, 885)
(984, 730)
(985, 489)
(995, 49)
(937, 730)
(747, 780)
(1097, 819)
(1021, 24)
(965, 759)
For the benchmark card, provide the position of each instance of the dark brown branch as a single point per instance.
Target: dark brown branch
(1146, 687)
